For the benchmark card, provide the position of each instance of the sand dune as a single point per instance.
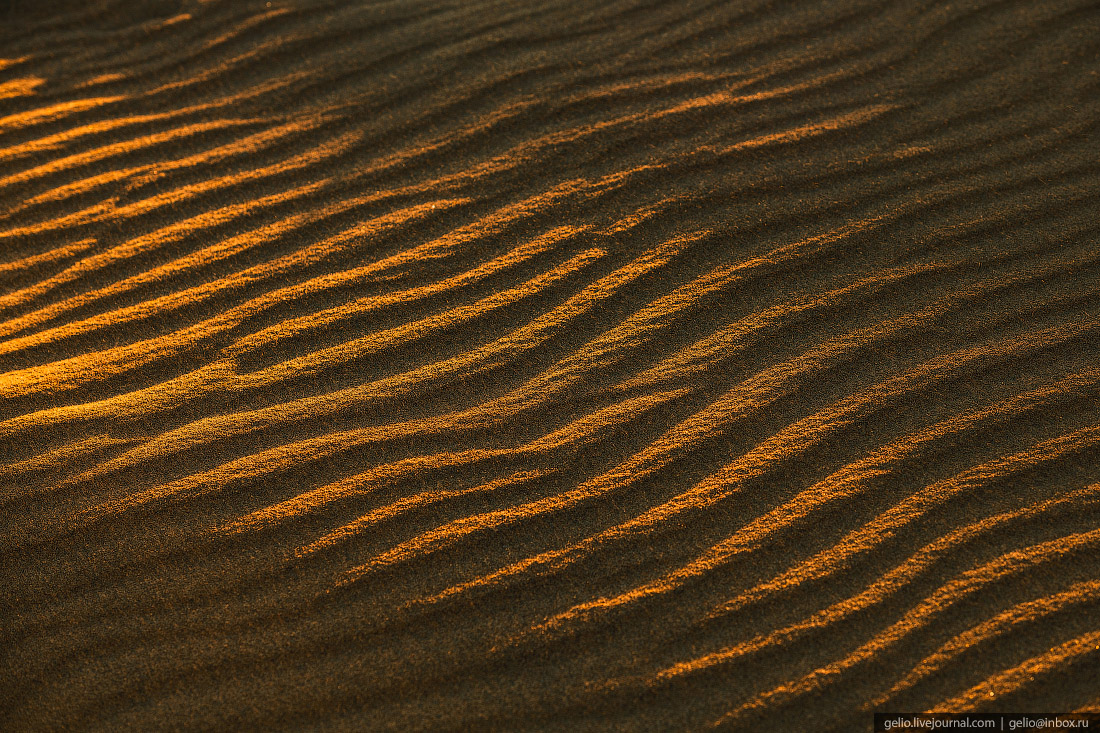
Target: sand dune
(626, 365)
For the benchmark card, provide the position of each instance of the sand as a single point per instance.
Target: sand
(570, 366)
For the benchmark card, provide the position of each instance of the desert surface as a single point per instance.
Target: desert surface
(565, 366)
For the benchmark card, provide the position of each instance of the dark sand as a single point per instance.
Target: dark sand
(568, 366)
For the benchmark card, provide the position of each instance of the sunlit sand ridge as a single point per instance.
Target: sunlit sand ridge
(623, 365)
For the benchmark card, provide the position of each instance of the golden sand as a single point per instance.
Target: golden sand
(620, 365)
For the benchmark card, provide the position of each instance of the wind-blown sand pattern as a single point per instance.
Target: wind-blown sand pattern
(571, 366)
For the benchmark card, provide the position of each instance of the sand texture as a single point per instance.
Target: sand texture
(565, 366)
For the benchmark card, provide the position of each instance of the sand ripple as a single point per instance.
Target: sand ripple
(625, 365)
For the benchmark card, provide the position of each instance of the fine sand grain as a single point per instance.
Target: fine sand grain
(567, 365)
